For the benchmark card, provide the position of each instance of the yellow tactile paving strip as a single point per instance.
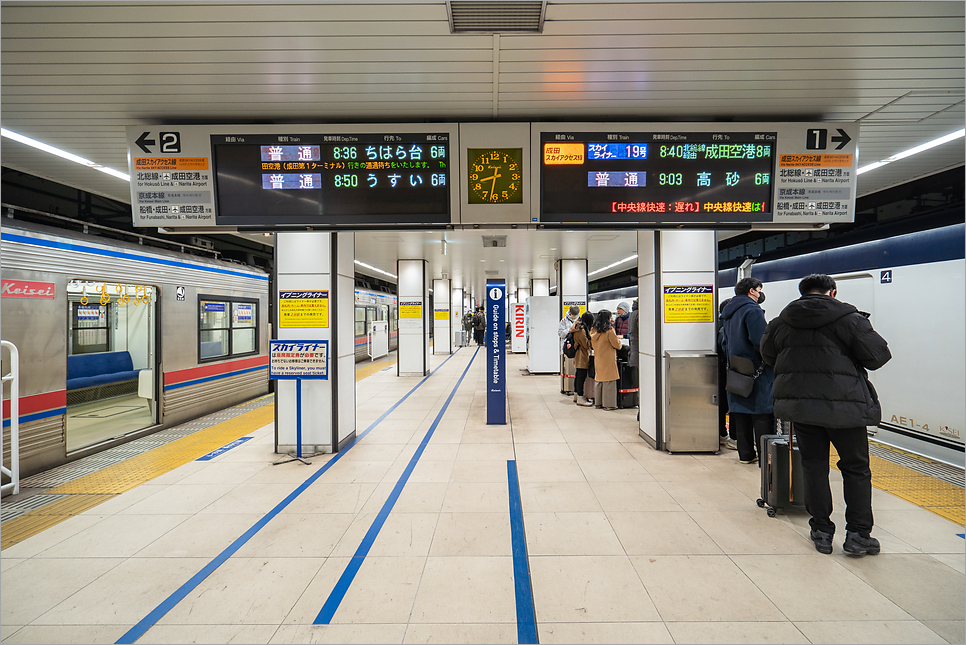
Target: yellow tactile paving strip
(364, 369)
(942, 498)
(90, 490)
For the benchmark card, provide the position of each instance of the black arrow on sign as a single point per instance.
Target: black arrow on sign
(143, 142)
(843, 139)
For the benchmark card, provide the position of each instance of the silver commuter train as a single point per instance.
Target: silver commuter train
(912, 285)
(373, 306)
(118, 340)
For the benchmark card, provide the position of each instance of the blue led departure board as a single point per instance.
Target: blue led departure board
(348, 180)
(655, 177)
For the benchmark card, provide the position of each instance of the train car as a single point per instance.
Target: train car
(119, 340)
(912, 285)
(373, 306)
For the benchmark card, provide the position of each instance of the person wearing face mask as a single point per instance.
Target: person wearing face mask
(821, 348)
(742, 325)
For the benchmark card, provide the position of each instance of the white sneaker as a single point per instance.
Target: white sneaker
(731, 444)
(584, 402)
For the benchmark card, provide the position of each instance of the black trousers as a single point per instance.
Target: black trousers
(852, 446)
(748, 429)
(478, 335)
(579, 379)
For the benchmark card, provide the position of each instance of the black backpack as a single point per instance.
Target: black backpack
(570, 346)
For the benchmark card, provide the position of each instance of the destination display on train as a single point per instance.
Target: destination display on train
(630, 177)
(322, 180)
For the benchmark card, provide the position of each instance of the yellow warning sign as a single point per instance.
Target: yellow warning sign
(580, 303)
(442, 314)
(410, 310)
(814, 161)
(689, 304)
(303, 309)
(171, 163)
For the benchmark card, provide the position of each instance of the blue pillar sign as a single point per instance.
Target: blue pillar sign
(496, 350)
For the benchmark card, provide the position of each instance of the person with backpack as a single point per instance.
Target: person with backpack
(580, 332)
(821, 348)
(567, 370)
(479, 325)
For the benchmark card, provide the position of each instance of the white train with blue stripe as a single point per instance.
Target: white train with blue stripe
(119, 340)
(913, 287)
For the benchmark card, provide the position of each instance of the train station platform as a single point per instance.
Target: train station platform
(561, 527)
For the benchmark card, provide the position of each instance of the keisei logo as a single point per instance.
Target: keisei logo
(27, 289)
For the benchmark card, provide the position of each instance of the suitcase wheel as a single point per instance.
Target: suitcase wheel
(771, 512)
(761, 503)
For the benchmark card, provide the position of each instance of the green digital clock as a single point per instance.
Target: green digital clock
(495, 175)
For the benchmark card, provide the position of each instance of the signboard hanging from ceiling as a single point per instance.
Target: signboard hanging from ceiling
(263, 177)
(700, 173)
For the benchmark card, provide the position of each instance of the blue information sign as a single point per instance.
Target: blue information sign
(496, 353)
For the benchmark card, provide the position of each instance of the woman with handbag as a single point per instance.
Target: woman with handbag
(581, 332)
(604, 340)
(751, 412)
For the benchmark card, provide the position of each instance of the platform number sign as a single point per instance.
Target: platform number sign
(885, 277)
(170, 142)
(817, 139)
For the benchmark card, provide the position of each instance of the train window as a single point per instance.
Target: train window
(90, 328)
(226, 328)
(361, 321)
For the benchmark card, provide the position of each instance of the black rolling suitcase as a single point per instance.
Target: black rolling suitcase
(627, 387)
(782, 486)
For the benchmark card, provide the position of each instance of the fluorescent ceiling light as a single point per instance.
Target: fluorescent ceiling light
(611, 266)
(63, 154)
(913, 151)
(363, 264)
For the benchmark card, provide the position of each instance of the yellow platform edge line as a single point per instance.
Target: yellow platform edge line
(934, 495)
(87, 492)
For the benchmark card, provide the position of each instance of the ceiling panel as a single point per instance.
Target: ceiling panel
(75, 74)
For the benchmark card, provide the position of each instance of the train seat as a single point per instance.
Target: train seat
(101, 368)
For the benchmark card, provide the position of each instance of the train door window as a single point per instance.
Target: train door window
(111, 360)
(361, 327)
(226, 328)
(90, 331)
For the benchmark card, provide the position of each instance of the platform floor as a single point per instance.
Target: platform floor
(415, 534)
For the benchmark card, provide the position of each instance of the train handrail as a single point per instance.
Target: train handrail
(14, 378)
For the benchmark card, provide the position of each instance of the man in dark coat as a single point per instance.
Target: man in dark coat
(821, 349)
(742, 324)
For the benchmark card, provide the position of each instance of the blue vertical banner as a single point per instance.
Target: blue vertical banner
(496, 352)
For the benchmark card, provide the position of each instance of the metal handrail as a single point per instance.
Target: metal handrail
(14, 378)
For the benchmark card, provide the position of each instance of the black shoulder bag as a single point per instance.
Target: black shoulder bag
(742, 375)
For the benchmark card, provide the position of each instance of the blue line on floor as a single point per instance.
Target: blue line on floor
(335, 598)
(526, 616)
(171, 601)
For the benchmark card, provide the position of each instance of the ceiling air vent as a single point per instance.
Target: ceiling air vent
(495, 17)
(492, 241)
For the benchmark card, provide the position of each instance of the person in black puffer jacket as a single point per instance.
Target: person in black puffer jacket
(821, 349)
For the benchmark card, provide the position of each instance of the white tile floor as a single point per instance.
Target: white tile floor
(626, 545)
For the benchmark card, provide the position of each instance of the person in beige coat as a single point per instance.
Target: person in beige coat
(605, 342)
(581, 331)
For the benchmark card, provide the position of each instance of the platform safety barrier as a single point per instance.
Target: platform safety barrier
(14, 378)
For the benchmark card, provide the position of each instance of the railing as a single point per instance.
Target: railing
(14, 377)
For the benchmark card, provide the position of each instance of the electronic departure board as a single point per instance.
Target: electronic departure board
(324, 180)
(656, 176)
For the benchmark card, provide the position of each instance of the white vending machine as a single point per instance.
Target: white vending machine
(543, 346)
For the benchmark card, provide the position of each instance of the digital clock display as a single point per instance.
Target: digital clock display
(351, 180)
(656, 177)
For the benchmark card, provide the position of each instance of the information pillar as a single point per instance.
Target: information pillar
(495, 352)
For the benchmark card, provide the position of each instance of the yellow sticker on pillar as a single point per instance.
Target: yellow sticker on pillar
(410, 315)
(689, 304)
(580, 303)
(441, 314)
(303, 309)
